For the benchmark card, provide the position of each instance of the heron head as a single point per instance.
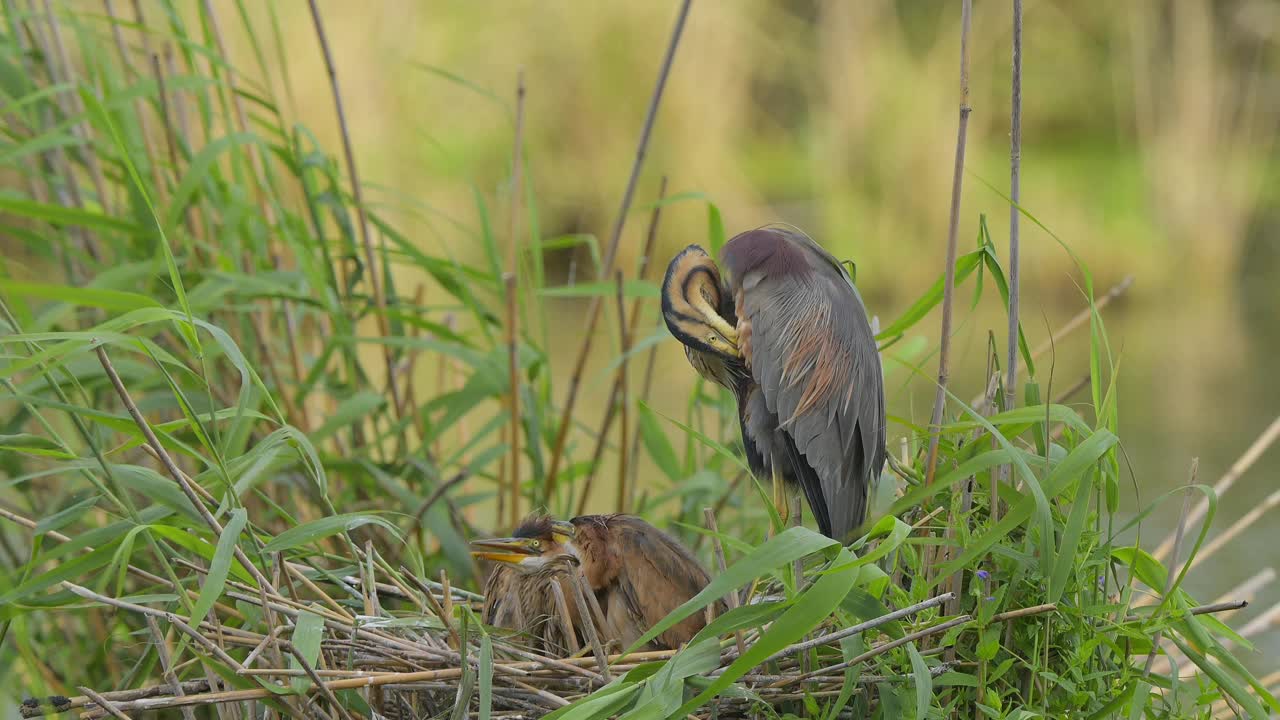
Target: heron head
(538, 542)
(692, 295)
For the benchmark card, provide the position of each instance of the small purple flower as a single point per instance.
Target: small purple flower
(984, 575)
(989, 598)
(1102, 582)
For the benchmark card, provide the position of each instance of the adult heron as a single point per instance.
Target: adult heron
(786, 332)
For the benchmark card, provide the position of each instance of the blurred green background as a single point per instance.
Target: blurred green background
(1149, 147)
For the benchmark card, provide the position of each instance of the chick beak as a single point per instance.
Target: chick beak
(508, 550)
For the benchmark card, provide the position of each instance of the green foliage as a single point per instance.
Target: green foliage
(227, 285)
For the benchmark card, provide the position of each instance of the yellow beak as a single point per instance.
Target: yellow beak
(508, 550)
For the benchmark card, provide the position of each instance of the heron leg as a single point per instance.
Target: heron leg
(794, 521)
(779, 499)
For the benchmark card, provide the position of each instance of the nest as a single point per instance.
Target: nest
(416, 649)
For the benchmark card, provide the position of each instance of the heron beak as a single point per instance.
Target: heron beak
(729, 332)
(510, 550)
(565, 529)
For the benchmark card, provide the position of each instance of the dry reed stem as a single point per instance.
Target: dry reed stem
(647, 383)
(169, 617)
(581, 592)
(731, 600)
(1238, 468)
(513, 401)
(860, 627)
(566, 624)
(1219, 607)
(623, 398)
(953, 228)
(149, 578)
(615, 237)
(611, 407)
(104, 703)
(1015, 196)
(936, 629)
(878, 650)
(446, 601)
(362, 221)
(511, 477)
(315, 679)
(435, 605)
(166, 663)
(517, 170)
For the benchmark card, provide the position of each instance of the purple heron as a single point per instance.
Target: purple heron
(786, 332)
(637, 573)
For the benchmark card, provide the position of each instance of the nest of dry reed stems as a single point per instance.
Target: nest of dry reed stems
(428, 656)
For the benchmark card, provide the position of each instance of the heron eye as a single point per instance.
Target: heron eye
(535, 544)
(711, 339)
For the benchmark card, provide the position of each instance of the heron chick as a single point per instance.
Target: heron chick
(637, 573)
(786, 332)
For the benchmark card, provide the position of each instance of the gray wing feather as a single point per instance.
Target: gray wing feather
(814, 358)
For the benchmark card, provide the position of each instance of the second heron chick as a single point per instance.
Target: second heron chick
(637, 573)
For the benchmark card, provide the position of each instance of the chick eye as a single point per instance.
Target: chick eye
(535, 544)
(711, 339)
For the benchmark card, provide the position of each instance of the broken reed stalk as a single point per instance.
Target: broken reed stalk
(1173, 561)
(362, 222)
(1015, 195)
(1238, 468)
(104, 703)
(172, 468)
(593, 312)
(622, 398)
(513, 402)
(953, 229)
(610, 410)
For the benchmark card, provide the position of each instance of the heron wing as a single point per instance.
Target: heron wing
(657, 575)
(814, 356)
